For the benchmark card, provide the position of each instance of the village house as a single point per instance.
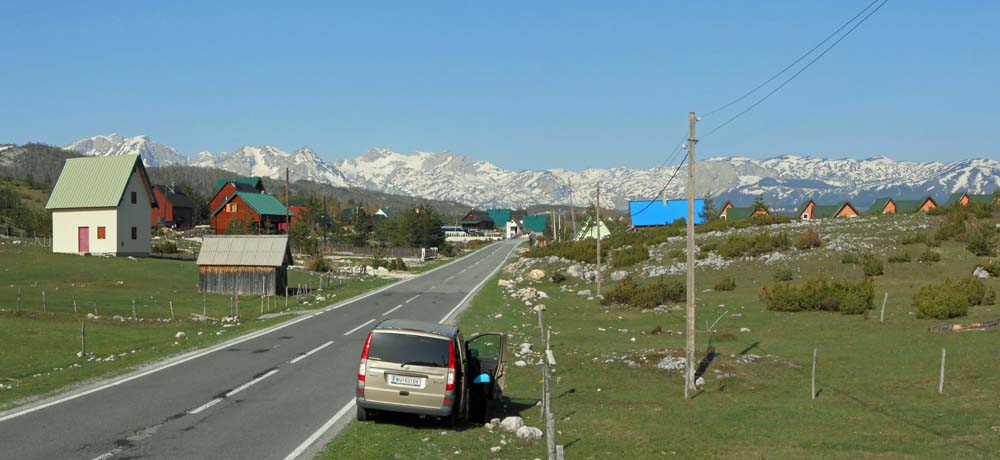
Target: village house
(476, 220)
(536, 224)
(244, 264)
(263, 212)
(589, 230)
(656, 213)
(963, 199)
(733, 213)
(225, 188)
(891, 206)
(175, 208)
(810, 210)
(102, 205)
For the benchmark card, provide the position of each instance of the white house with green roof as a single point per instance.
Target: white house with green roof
(102, 205)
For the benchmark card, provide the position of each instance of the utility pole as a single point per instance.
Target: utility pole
(572, 212)
(689, 331)
(597, 211)
(288, 217)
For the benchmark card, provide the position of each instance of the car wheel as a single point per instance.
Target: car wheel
(362, 414)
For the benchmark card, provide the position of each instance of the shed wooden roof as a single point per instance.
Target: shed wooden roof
(245, 250)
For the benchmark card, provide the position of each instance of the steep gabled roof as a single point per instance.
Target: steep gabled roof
(821, 212)
(536, 223)
(909, 206)
(96, 182)
(176, 197)
(805, 204)
(245, 250)
(243, 184)
(499, 216)
(734, 213)
(262, 203)
(879, 205)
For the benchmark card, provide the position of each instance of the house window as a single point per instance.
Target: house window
(135, 233)
(101, 233)
(134, 198)
(805, 216)
(231, 207)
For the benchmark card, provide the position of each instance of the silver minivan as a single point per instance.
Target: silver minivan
(429, 369)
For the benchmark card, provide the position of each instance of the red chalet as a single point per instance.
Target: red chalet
(176, 208)
(243, 199)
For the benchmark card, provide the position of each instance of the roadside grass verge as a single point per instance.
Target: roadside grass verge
(877, 382)
(38, 349)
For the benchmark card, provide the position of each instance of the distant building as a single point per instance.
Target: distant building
(262, 211)
(655, 213)
(891, 206)
(175, 208)
(224, 188)
(589, 230)
(512, 229)
(102, 205)
(476, 220)
(499, 216)
(963, 199)
(244, 264)
(810, 210)
(536, 224)
(735, 214)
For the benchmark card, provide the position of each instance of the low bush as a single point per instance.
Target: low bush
(627, 256)
(726, 283)
(992, 267)
(318, 264)
(397, 264)
(558, 277)
(783, 274)
(951, 299)
(983, 240)
(657, 292)
(820, 294)
(900, 258)
(953, 226)
(873, 265)
(933, 243)
(850, 258)
(810, 239)
(579, 251)
(754, 245)
(679, 254)
(164, 247)
(913, 238)
(930, 256)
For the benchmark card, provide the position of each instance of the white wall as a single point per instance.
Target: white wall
(65, 223)
(134, 215)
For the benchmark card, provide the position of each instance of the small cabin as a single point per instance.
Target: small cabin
(963, 199)
(733, 213)
(810, 210)
(244, 264)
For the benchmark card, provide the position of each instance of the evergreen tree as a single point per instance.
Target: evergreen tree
(759, 204)
(708, 212)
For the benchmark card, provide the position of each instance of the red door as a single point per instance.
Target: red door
(83, 239)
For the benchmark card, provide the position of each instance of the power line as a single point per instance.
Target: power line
(789, 66)
(796, 74)
(664, 189)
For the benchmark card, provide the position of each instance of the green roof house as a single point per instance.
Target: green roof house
(963, 199)
(810, 210)
(264, 212)
(536, 224)
(732, 213)
(500, 216)
(102, 205)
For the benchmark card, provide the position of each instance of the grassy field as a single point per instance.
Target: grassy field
(39, 345)
(877, 382)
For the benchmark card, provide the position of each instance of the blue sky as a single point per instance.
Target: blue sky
(525, 85)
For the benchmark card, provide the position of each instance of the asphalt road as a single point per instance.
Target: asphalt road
(275, 394)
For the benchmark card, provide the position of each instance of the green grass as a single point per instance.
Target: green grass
(877, 381)
(38, 348)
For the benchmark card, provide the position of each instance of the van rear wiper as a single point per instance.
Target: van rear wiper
(419, 363)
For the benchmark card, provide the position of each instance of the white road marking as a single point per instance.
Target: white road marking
(359, 327)
(411, 299)
(319, 313)
(107, 455)
(397, 307)
(476, 289)
(202, 407)
(450, 278)
(250, 383)
(323, 429)
(306, 354)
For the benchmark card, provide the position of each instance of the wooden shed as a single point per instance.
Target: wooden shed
(244, 264)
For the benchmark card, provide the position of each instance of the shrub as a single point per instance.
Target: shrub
(819, 294)
(983, 240)
(657, 292)
(756, 245)
(164, 247)
(809, 240)
(580, 251)
(930, 256)
(627, 256)
(558, 277)
(951, 299)
(396, 264)
(900, 258)
(933, 243)
(783, 274)
(913, 238)
(679, 254)
(850, 258)
(873, 265)
(726, 283)
(992, 267)
(318, 264)
(952, 226)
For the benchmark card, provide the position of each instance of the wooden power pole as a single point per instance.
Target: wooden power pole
(288, 217)
(597, 211)
(689, 331)
(572, 212)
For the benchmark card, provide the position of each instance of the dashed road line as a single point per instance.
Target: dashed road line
(306, 354)
(397, 307)
(411, 299)
(250, 383)
(359, 327)
(205, 406)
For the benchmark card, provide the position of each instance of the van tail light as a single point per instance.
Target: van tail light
(363, 367)
(451, 367)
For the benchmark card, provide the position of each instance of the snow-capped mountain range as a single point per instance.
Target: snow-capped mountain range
(784, 181)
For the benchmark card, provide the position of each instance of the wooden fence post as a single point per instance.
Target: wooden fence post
(74, 304)
(172, 317)
(941, 382)
(134, 317)
(44, 307)
(204, 305)
(18, 299)
(813, 394)
(882, 315)
(83, 338)
(231, 313)
(286, 296)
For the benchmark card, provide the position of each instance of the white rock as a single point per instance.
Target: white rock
(536, 275)
(504, 283)
(495, 449)
(744, 329)
(981, 273)
(180, 335)
(520, 363)
(585, 292)
(529, 433)
(700, 381)
(498, 316)
(511, 424)
(618, 275)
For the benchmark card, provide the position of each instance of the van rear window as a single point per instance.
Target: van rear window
(409, 349)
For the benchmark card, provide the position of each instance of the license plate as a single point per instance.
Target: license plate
(407, 381)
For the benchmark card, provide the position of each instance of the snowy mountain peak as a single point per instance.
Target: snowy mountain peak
(152, 153)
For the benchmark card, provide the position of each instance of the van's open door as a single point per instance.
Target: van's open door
(490, 349)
